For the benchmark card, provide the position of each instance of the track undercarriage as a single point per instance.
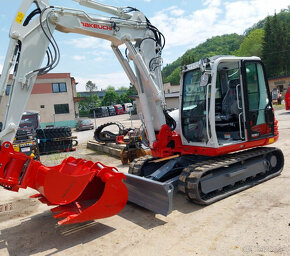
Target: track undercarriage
(205, 180)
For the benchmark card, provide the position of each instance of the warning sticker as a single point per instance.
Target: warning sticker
(20, 17)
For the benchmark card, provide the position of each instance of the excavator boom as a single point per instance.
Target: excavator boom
(80, 190)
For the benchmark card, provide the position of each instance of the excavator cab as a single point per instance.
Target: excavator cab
(225, 108)
(225, 101)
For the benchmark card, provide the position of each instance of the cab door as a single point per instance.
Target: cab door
(258, 106)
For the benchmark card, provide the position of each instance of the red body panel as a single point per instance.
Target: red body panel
(119, 109)
(166, 137)
(287, 100)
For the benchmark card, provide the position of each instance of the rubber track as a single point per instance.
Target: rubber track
(53, 132)
(190, 177)
(136, 166)
(108, 136)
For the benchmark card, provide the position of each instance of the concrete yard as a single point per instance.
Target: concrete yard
(253, 222)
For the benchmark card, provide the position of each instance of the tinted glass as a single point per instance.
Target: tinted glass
(257, 93)
(55, 88)
(62, 87)
(8, 88)
(194, 107)
(61, 108)
(258, 101)
(28, 122)
(59, 87)
(86, 122)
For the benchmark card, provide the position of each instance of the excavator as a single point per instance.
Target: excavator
(215, 145)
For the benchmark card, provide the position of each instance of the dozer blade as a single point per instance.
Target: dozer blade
(83, 190)
(152, 195)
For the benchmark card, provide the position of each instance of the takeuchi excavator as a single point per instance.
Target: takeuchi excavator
(212, 147)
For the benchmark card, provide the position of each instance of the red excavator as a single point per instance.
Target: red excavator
(210, 148)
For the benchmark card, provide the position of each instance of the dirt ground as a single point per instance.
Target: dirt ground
(253, 222)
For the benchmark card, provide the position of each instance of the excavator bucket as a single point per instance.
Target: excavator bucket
(81, 190)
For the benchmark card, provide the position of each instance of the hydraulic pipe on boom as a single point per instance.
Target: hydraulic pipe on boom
(120, 12)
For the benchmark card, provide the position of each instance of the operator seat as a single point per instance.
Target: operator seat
(228, 119)
(229, 103)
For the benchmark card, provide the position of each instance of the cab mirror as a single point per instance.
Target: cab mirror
(204, 79)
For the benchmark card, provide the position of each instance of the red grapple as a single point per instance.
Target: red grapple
(82, 190)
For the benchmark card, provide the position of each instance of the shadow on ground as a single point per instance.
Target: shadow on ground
(148, 219)
(181, 204)
(140, 216)
(40, 234)
(284, 113)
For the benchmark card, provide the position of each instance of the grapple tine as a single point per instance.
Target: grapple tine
(58, 209)
(66, 220)
(62, 215)
(83, 190)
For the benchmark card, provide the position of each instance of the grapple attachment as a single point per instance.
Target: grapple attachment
(82, 190)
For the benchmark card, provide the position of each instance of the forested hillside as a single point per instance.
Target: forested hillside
(268, 39)
(217, 45)
(276, 44)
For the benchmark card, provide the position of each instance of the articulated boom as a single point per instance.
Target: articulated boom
(81, 189)
(29, 36)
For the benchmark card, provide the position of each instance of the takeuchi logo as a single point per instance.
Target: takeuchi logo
(97, 26)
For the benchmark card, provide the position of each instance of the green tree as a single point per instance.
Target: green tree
(187, 59)
(88, 103)
(285, 45)
(124, 98)
(94, 101)
(258, 25)
(276, 47)
(252, 44)
(267, 45)
(111, 97)
(90, 86)
(132, 91)
(276, 51)
(123, 88)
(174, 77)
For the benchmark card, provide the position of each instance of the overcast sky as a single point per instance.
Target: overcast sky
(184, 23)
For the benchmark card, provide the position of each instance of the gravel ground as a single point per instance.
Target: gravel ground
(253, 222)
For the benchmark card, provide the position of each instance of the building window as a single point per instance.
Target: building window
(59, 87)
(8, 89)
(42, 106)
(61, 109)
